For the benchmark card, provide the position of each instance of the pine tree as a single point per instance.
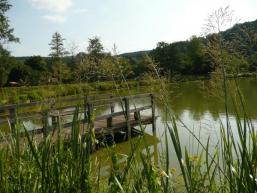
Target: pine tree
(59, 69)
(57, 46)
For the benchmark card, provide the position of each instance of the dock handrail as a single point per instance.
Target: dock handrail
(87, 105)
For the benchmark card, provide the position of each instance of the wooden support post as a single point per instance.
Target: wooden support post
(13, 119)
(90, 112)
(47, 123)
(112, 106)
(127, 116)
(137, 116)
(153, 114)
(85, 109)
(109, 120)
(54, 120)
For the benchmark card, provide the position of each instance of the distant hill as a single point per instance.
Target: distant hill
(23, 58)
(237, 31)
(136, 56)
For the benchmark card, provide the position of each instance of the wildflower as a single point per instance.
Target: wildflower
(182, 161)
(173, 170)
(194, 158)
(163, 174)
(252, 178)
(84, 145)
(233, 169)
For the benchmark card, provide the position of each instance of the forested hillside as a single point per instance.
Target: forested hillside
(192, 57)
(195, 56)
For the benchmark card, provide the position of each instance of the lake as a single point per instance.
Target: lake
(197, 104)
(200, 108)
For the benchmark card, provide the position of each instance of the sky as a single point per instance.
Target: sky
(131, 25)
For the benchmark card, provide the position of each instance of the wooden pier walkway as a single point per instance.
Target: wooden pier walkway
(51, 113)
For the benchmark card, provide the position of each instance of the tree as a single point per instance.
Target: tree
(39, 70)
(73, 47)
(6, 35)
(20, 73)
(58, 67)
(57, 46)
(36, 63)
(5, 64)
(6, 32)
(94, 59)
(95, 46)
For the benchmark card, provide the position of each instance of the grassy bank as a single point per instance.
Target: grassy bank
(39, 93)
(59, 164)
(66, 165)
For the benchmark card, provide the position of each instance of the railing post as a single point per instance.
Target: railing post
(13, 119)
(127, 116)
(90, 124)
(47, 123)
(90, 112)
(109, 120)
(85, 109)
(153, 113)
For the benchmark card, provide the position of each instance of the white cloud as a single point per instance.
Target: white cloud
(55, 18)
(79, 11)
(52, 5)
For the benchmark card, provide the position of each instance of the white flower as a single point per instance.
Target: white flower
(164, 174)
(84, 145)
(233, 169)
(253, 178)
(182, 161)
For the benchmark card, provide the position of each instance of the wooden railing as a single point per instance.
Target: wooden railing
(11, 114)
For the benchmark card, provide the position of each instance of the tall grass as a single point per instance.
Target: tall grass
(56, 163)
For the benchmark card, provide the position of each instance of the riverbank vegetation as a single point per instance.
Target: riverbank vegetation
(26, 94)
(192, 58)
(60, 164)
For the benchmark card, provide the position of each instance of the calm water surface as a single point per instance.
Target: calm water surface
(198, 107)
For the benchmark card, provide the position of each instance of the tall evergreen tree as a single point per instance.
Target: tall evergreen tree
(57, 46)
(59, 69)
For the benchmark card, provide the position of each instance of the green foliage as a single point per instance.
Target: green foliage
(20, 73)
(5, 64)
(6, 35)
(181, 57)
(36, 63)
(6, 32)
(57, 46)
(95, 47)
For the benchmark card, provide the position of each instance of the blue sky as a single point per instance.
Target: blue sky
(131, 24)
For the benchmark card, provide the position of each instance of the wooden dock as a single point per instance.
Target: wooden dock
(109, 123)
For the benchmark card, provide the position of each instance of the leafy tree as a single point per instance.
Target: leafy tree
(94, 59)
(20, 73)
(6, 35)
(4, 65)
(39, 69)
(36, 63)
(72, 51)
(60, 72)
(6, 32)
(95, 46)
